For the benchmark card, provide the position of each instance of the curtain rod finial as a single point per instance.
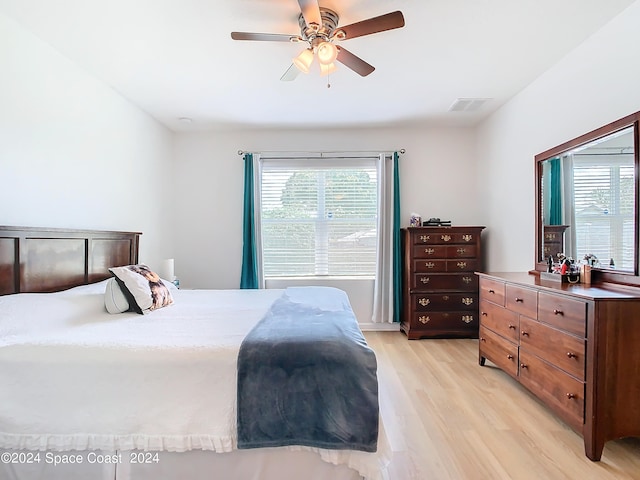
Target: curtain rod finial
(402, 150)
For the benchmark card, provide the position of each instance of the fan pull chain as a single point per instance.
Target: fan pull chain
(328, 84)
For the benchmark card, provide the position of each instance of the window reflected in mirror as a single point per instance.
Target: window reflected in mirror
(588, 202)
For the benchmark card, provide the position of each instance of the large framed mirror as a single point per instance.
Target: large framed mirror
(587, 202)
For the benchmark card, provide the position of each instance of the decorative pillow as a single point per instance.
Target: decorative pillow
(143, 288)
(114, 299)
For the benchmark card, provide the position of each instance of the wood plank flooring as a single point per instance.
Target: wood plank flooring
(448, 418)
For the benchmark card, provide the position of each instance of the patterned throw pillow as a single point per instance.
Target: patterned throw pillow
(142, 287)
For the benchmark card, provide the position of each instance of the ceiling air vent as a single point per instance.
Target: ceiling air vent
(468, 104)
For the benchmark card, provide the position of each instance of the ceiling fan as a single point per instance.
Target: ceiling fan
(319, 29)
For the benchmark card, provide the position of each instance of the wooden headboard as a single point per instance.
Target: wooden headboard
(52, 259)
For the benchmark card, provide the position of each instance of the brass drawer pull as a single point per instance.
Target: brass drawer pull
(446, 238)
(484, 314)
(558, 312)
(524, 334)
(520, 300)
(482, 339)
(492, 291)
(510, 357)
(571, 355)
(571, 396)
(512, 327)
(524, 365)
(461, 251)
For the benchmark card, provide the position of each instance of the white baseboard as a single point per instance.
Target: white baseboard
(379, 327)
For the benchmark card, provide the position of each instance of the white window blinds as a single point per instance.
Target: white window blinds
(604, 205)
(318, 216)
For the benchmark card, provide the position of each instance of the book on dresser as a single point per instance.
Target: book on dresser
(440, 288)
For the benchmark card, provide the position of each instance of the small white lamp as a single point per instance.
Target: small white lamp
(167, 270)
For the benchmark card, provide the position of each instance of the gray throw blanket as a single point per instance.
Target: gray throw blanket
(307, 377)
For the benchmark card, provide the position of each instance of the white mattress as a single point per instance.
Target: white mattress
(77, 378)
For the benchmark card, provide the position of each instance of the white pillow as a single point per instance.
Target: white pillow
(114, 299)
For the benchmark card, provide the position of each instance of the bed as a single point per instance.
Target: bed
(92, 395)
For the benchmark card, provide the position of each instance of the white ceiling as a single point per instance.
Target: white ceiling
(175, 58)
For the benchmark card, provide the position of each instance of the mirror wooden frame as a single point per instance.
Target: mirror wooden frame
(599, 274)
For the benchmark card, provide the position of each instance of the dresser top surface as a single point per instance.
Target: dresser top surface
(445, 227)
(604, 291)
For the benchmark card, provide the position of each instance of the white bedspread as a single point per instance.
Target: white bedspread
(74, 377)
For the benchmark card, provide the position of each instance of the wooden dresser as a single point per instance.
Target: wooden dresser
(440, 289)
(553, 240)
(575, 347)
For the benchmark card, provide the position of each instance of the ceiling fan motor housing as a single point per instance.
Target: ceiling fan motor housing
(316, 34)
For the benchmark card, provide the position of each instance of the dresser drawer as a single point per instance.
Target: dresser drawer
(444, 301)
(450, 320)
(558, 348)
(462, 251)
(499, 319)
(457, 265)
(444, 251)
(521, 300)
(429, 251)
(462, 265)
(466, 282)
(558, 389)
(499, 350)
(446, 238)
(565, 313)
(492, 290)
(429, 265)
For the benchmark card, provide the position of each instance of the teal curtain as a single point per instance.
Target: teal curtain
(397, 248)
(249, 276)
(555, 190)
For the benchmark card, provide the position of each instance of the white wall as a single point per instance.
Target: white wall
(74, 153)
(437, 175)
(595, 84)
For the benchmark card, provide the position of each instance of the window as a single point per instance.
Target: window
(318, 216)
(604, 205)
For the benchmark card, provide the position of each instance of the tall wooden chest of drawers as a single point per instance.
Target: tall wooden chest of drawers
(440, 289)
(573, 346)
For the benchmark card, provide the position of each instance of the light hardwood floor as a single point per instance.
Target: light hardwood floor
(448, 418)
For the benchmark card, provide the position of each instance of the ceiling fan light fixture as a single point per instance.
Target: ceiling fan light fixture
(327, 69)
(327, 53)
(303, 61)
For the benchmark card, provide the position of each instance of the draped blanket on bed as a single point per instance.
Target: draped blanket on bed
(307, 377)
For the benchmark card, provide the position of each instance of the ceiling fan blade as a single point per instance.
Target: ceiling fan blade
(354, 62)
(382, 23)
(265, 37)
(290, 74)
(310, 12)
